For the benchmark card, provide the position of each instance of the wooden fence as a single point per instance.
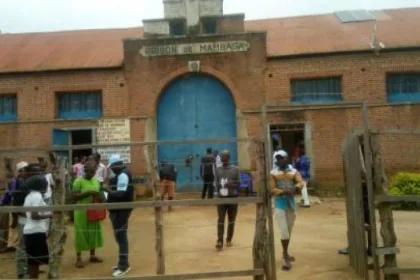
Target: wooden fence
(371, 160)
(262, 247)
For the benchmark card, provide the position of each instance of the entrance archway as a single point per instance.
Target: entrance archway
(194, 107)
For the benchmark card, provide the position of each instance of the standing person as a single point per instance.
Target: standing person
(7, 197)
(50, 181)
(77, 167)
(303, 165)
(121, 190)
(87, 234)
(207, 171)
(283, 183)
(101, 170)
(18, 199)
(217, 159)
(168, 176)
(36, 226)
(227, 180)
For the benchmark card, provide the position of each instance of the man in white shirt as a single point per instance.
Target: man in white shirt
(101, 170)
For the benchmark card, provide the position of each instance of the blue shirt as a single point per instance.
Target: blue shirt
(122, 183)
(283, 178)
(303, 165)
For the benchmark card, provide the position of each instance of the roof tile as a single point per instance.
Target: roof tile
(103, 48)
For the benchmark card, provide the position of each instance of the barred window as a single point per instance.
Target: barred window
(403, 87)
(317, 90)
(77, 105)
(8, 107)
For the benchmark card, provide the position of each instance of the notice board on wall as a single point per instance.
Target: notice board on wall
(114, 131)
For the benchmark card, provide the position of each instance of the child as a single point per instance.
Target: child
(36, 226)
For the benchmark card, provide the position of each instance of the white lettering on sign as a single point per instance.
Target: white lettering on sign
(195, 48)
(114, 131)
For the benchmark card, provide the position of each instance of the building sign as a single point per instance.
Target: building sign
(114, 131)
(195, 48)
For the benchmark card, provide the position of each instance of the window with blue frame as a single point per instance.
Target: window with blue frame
(403, 87)
(323, 90)
(79, 105)
(8, 107)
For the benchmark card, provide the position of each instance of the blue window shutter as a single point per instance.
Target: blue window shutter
(8, 107)
(403, 87)
(317, 90)
(79, 105)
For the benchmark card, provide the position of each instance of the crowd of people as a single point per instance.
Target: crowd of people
(95, 182)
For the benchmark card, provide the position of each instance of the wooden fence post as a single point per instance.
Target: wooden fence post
(58, 228)
(260, 250)
(267, 196)
(159, 247)
(5, 217)
(385, 211)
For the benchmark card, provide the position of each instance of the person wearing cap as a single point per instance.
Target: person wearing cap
(7, 200)
(121, 190)
(284, 180)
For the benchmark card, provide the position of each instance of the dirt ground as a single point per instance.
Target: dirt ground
(190, 235)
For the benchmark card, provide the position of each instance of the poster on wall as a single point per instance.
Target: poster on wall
(114, 131)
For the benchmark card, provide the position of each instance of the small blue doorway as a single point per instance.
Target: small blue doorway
(194, 107)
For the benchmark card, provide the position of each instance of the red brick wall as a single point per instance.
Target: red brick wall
(363, 78)
(37, 104)
(134, 91)
(147, 77)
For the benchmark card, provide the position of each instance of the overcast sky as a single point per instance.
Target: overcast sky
(49, 15)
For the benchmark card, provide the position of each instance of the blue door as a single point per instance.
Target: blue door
(194, 107)
(60, 138)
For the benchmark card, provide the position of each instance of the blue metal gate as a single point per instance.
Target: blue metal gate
(194, 107)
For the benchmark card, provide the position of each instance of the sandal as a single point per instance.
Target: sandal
(95, 259)
(79, 264)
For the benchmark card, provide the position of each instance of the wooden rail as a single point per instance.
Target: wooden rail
(128, 144)
(396, 199)
(204, 275)
(396, 270)
(135, 204)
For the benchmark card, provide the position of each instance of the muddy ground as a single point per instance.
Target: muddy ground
(190, 235)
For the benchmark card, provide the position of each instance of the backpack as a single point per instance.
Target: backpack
(208, 165)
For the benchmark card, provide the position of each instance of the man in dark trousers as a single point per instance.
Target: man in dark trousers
(121, 190)
(168, 175)
(227, 181)
(207, 171)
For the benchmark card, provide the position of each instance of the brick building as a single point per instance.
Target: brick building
(202, 74)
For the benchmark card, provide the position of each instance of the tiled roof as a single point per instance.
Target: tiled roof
(64, 50)
(83, 49)
(326, 34)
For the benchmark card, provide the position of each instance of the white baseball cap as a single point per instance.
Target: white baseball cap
(21, 165)
(281, 153)
(114, 159)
